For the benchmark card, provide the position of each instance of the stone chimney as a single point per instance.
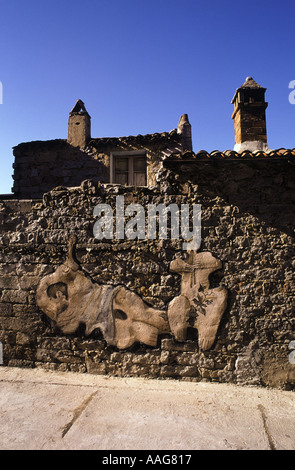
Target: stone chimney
(79, 125)
(249, 117)
(185, 129)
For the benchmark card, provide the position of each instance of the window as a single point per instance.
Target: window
(129, 169)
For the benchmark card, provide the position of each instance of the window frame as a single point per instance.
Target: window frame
(132, 154)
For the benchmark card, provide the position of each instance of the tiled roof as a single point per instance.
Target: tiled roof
(202, 155)
(172, 136)
(158, 136)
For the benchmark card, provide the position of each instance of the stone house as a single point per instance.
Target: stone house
(247, 196)
(131, 160)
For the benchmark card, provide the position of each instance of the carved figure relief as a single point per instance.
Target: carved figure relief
(197, 302)
(69, 297)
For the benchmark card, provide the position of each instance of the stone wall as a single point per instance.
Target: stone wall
(41, 166)
(247, 223)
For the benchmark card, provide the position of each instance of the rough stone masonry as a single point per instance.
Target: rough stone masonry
(247, 202)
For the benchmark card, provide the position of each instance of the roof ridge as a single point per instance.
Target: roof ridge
(231, 154)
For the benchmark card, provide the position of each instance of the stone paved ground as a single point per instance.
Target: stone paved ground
(42, 410)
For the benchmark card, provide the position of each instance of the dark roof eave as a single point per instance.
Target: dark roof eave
(41, 142)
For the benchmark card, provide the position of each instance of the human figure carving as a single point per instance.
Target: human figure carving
(207, 304)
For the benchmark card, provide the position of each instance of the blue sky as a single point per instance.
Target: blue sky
(138, 65)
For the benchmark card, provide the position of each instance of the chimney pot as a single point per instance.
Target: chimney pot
(79, 125)
(249, 117)
(185, 129)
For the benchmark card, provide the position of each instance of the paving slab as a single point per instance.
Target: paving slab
(45, 410)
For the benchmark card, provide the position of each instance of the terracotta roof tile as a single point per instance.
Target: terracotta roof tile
(203, 155)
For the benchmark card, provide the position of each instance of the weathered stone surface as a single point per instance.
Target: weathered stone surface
(208, 305)
(69, 298)
(247, 224)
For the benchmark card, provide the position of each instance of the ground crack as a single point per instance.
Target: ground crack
(76, 413)
(270, 441)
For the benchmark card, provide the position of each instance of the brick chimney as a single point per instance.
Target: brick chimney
(249, 117)
(79, 125)
(185, 129)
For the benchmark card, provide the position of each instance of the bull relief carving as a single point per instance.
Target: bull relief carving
(69, 297)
